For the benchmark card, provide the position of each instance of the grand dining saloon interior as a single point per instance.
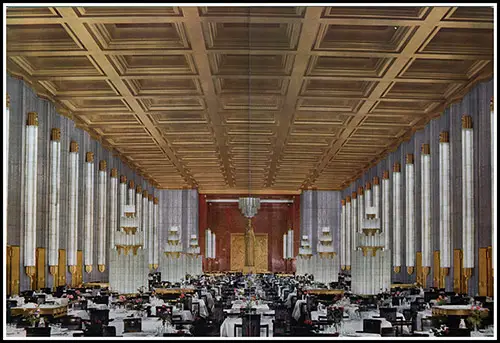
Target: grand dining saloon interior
(249, 170)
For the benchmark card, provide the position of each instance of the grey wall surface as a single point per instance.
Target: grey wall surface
(24, 100)
(476, 104)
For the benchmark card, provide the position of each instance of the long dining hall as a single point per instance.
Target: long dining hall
(273, 171)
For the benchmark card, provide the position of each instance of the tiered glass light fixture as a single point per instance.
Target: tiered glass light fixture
(426, 212)
(73, 211)
(113, 203)
(396, 215)
(410, 214)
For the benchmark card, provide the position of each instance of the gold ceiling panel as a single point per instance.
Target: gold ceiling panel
(277, 99)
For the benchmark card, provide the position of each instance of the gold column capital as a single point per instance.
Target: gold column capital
(466, 122)
(397, 269)
(376, 181)
(138, 189)
(354, 195)
(444, 137)
(123, 179)
(368, 186)
(385, 175)
(426, 149)
(102, 165)
(32, 119)
(410, 270)
(101, 268)
(114, 172)
(155, 201)
(409, 158)
(150, 197)
(73, 146)
(131, 184)
(55, 134)
(144, 194)
(396, 168)
(360, 190)
(89, 156)
(348, 199)
(88, 268)
(8, 100)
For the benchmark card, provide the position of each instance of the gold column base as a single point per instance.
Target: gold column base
(88, 268)
(410, 270)
(150, 267)
(342, 267)
(155, 266)
(72, 269)
(101, 267)
(467, 276)
(347, 267)
(444, 272)
(425, 272)
(397, 269)
(30, 271)
(54, 270)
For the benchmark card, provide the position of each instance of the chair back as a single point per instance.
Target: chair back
(72, 323)
(251, 325)
(101, 315)
(188, 302)
(388, 313)
(371, 326)
(388, 332)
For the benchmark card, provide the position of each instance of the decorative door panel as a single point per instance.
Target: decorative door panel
(9, 268)
(261, 253)
(40, 268)
(237, 251)
(15, 267)
(61, 272)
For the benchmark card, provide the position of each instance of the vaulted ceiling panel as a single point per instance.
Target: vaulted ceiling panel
(227, 98)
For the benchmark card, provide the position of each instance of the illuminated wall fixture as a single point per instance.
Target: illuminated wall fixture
(174, 247)
(208, 243)
(151, 235)
(396, 217)
(113, 227)
(30, 183)
(138, 211)
(325, 246)
(194, 247)
(156, 245)
(145, 221)
(289, 237)
(410, 214)
(385, 208)
(361, 211)
(444, 206)
(54, 201)
(285, 246)
(354, 221)
(214, 245)
(376, 195)
(347, 232)
(467, 198)
(89, 212)
(101, 219)
(73, 209)
(342, 235)
(123, 202)
(131, 194)
(426, 212)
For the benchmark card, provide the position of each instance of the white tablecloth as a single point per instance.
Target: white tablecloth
(261, 308)
(288, 301)
(227, 327)
(296, 309)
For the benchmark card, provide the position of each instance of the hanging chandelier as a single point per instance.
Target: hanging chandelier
(249, 206)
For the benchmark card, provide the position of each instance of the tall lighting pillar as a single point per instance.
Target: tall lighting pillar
(347, 233)
(444, 207)
(54, 202)
(89, 212)
(385, 208)
(73, 211)
(342, 235)
(30, 214)
(426, 212)
(468, 230)
(410, 214)
(396, 242)
(101, 223)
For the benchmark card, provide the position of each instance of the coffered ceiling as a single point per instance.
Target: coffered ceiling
(272, 99)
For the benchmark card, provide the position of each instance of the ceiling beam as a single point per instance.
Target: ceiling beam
(78, 28)
(199, 52)
(307, 38)
(420, 36)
